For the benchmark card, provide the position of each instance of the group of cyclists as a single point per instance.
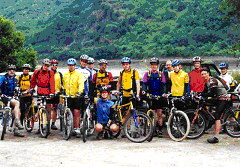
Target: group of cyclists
(88, 82)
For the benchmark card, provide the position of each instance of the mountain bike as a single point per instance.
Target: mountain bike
(137, 125)
(7, 116)
(178, 125)
(40, 115)
(203, 118)
(88, 122)
(66, 116)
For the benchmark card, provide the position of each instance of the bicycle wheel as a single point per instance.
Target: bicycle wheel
(29, 120)
(5, 121)
(138, 127)
(197, 124)
(60, 111)
(67, 123)
(152, 115)
(178, 125)
(85, 126)
(44, 123)
(232, 123)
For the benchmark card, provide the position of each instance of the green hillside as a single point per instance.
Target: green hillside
(115, 28)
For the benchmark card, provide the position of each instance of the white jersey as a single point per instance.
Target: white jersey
(84, 72)
(228, 78)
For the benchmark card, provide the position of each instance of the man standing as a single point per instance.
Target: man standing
(167, 71)
(196, 81)
(8, 83)
(85, 73)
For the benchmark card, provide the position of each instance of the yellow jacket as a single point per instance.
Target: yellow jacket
(24, 81)
(73, 82)
(58, 82)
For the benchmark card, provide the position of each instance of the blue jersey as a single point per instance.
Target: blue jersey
(103, 110)
(8, 84)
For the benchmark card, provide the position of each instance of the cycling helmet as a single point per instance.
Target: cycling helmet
(84, 57)
(11, 67)
(197, 59)
(46, 61)
(71, 61)
(126, 60)
(28, 66)
(102, 61)
(104, 88)
(54, 61)
(154, 60)
(223, 65)
(176, 62)
(91, 60)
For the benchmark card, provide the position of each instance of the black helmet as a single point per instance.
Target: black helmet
(104, 88)
(154, 60)
(11, 67)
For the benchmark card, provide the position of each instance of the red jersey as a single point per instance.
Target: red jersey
(44, 80)
(196, 81)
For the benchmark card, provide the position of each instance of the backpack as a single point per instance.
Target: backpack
(134, 86)
(21, 76)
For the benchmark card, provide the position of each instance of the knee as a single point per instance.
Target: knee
(114, 128)
(98, 127)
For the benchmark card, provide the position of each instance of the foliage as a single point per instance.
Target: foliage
(136, 28)
(11, 46)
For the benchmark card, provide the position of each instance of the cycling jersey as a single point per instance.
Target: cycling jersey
(102, 78)
(8, 84)
(24, 81)
(214, 88)
(196, 81)
(178, 82)
(228, 78)
(58, 80)
(127, 80)
(92, 72)
(86, 76)
(103, 110)
(154, 83)
(44, 80)
(73, 82)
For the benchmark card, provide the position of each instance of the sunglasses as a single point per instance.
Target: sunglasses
(85, 61)
(55, 65)
(12, 69)
(46, 65)
(71, 65)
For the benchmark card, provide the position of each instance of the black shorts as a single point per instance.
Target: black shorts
(54, 100)
(158, 103)
(75, 103)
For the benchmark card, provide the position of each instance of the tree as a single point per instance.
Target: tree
(12, 50)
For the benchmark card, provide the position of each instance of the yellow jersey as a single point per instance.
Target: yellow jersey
(73, 82)
(127, 81)
(178, 80)
(58, 81)
(24, 81)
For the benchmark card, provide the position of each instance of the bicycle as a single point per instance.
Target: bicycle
(88, 122)
(203, 118)
(41, 116)
(137, 125)
(66, 117)
(178, 124)
(7, 116)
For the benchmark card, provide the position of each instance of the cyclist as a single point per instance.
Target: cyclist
(73, 83)
(128, 81)
(8, 84)
(105, 114)
(168, 69)
(226, 76)
(179, 80)
(214, 89)
(43, 78)
(58, 78)
(154, 83)
(24, 83)
(196, 81)
(90, 66)
(102, 77)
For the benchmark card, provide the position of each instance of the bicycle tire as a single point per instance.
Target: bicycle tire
(154, 123)
(142, 132)
(60, 110)
(67, 123)
(6, 116)
(44, 123)
(29, 121)
(85, 126)
(232, 120)
(178, 126)
(197, 126)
